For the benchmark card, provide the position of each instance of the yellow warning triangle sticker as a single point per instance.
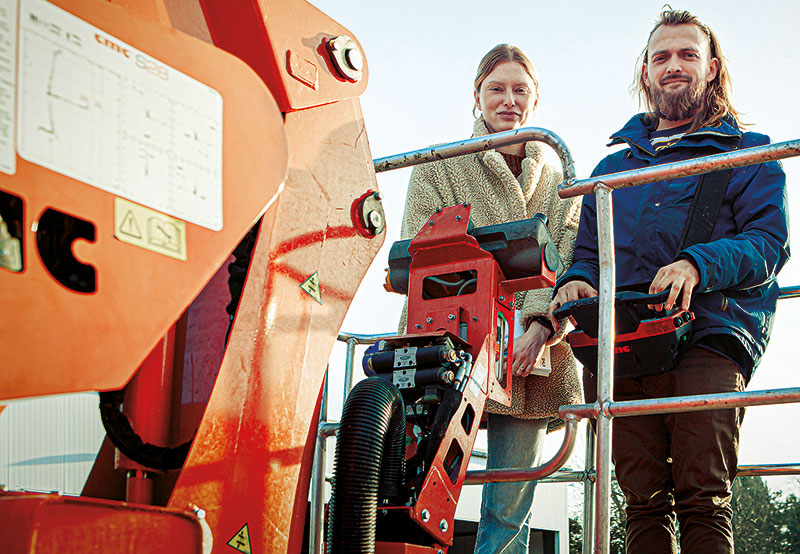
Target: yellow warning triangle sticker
(129, 226)
(311, 287)
(241, 540)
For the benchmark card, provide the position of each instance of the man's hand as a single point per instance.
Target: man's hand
(528, 348)
(571, 291)
(677, 276)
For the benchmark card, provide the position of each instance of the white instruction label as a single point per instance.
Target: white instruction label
(478, 379)
(8, 71)
(98, 110)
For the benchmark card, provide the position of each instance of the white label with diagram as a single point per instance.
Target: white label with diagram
(100, 111)
(8, 69)
(478, 379)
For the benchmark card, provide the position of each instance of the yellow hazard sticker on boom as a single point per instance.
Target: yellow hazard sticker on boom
(149, 229)
(311, 287)
(241, 540)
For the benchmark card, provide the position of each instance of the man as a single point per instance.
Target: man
(682, 465)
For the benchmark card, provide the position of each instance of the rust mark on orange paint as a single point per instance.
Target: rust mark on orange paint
(306, 240)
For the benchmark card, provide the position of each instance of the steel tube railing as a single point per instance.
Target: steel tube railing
(685, 168)
(315, 524)
(479, 144)
(605, 362)
(509, 475)
(348, 367)
(693, 403)
(605, 408)
(328, 429)
(703, 402)
(768, 470)
(789, 292)
(363, 339)
(588, 493)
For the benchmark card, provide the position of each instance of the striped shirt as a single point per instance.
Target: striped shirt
(667, 137)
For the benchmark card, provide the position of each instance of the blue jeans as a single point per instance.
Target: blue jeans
(506, 507)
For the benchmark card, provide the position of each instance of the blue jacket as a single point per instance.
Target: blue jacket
(738, 292)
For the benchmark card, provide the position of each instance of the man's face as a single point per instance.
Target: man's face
(678, 69)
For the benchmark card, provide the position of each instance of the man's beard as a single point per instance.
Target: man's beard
(679, 105)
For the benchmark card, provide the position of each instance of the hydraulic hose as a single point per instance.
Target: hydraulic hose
(122, 435)
(369, 463)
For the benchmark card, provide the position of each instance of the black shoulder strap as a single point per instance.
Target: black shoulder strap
(705, 206)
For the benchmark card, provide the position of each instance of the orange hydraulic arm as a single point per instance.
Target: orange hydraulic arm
(151, 135)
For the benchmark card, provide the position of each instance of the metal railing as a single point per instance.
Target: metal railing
(550, 471)
(602, 186)
(479, 144)
(598, 473)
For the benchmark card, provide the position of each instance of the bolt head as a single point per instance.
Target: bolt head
(429, 320)
(375, 218)
(451, 317)
(426, 516)
(354, 58)
(443, 526)
(418, 326)
(458, 218)
(502, 298)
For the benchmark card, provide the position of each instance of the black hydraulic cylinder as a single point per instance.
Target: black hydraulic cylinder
(424, 357)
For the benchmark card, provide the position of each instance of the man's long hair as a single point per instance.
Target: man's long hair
(717, 98)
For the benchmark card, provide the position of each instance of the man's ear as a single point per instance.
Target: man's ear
(644, 76)
(713, 70)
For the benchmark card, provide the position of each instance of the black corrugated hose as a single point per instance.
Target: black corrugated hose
(369, 462)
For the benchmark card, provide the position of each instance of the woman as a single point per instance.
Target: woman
(509, 184)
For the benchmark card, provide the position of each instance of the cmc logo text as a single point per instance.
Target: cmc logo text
(111, 44)
(622, 349)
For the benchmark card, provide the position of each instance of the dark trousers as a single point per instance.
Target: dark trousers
(678, 465)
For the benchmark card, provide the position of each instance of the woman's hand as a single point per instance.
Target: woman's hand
(528, 348)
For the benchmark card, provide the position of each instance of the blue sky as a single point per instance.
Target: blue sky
(422, 58)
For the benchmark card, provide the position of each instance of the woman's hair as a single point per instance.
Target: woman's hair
(500, 54)
(717, 99)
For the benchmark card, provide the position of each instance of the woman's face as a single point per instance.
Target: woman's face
(506, 97)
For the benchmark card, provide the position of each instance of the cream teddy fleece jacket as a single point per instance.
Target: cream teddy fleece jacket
(485, 181)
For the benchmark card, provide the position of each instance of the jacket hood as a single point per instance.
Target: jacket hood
(636, 133)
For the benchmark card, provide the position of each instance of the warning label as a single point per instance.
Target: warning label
(241, 540)
(149, 229)
(94, 108)
(311, 287)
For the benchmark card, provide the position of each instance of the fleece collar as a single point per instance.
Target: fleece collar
(532, 149)
(519, 190)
